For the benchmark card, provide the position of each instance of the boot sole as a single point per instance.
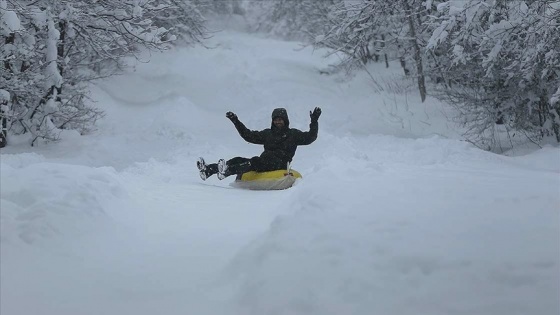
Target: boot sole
(201, 168)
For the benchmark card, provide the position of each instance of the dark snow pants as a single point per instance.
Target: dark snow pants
(240, 165)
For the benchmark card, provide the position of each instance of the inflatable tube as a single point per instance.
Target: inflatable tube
(273, 180)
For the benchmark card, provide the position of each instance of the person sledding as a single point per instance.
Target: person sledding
(280, 143)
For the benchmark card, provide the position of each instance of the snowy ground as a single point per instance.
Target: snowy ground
(394, 215)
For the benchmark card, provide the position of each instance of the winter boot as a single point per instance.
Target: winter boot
(202, 168)
(225, 169)
(206, 170)
(222, 169)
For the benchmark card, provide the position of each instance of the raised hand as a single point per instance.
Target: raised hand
(231, 116)
(315, 114)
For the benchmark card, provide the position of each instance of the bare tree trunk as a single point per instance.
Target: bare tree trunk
(4, 105)
(403, 65)
(4, 133)
(402, 59)
(417, 51)
(376, 45)
(384, 52)
(548, 112)
(555, 112)
(60, 52)
(10, 39)
(4, 119)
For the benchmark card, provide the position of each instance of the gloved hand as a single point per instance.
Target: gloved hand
(231, 116)
(315, 114)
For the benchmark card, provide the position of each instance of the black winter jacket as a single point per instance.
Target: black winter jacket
(279, 144)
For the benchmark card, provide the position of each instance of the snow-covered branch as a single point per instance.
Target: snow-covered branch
(51, 49)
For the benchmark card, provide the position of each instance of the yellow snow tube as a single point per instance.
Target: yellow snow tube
(272, 180)
(272, 175)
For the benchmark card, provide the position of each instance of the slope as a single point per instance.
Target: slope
(394, 215)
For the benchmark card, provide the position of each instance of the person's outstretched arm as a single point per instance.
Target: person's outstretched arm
(250, 136)
(307, 137)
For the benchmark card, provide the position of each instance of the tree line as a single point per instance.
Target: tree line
(51, 49)
(496, 61)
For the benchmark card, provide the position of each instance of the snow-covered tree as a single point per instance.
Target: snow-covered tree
(19, 74)
(220, 6)
(52, 48)
(182, 18)
(363, 30)
(289, 19)
(504, 66)
(355, 28)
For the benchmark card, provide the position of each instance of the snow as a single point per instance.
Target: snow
(9, 21)
(439, 35)
(471, 14)
(456, 7)
(556, 97)
(428, 4)
(4, 95)
(394, 215)
(493, 54)
(53, 76)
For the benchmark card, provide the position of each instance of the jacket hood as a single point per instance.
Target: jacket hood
(282, 113)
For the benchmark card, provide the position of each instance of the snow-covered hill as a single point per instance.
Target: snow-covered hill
(395, 215)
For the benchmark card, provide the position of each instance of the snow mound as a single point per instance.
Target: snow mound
(351, 247)
(545, 159)
(42, 200)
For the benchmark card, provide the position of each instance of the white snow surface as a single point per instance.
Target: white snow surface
(9, 21)
(394, 215)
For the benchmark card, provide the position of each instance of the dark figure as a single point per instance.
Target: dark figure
(280, 144)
